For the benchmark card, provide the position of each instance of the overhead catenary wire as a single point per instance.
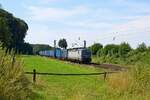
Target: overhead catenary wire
(114, 37)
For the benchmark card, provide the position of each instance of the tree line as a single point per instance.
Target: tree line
(40, 47)
(122, 50)
(12, 33)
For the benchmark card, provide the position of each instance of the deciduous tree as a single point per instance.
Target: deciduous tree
(12, 31)
(95, 47)
(62, 43)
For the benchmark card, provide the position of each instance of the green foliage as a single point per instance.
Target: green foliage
(13, 83)
(95, 48)
(124, 49)
(106, 59)
(133, 84)
(141, 74)
(121, 54)
(100, 52)
(63, 43)
(26, 48)
(111, 50)
(40, 47)
(142, 47)
(12, 32)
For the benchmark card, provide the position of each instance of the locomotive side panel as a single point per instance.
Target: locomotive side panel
(74, 54)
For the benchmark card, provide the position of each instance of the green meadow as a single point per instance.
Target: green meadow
(64, 87)
(131, 85)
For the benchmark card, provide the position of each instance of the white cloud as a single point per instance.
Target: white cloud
(47, 13)
(134, 32)
(99, 25)
(89, 25)
(137, 25)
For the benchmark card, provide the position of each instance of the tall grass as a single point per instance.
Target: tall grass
(141, 75)
(13, 83)
(133, 84)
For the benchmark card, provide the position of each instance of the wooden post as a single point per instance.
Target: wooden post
(34, 75)
(105, 74)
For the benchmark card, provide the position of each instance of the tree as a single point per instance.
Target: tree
(142, 47)
(95, 47)
(63, 43)
(124, 49)
(40, 47)
(5, 35)
(12, 31)
(100, 52)
(111, 50)
(26, 49)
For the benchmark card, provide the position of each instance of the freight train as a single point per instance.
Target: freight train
(75, 54)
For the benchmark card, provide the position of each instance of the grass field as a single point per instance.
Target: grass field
(130, 85)
(64, 87)
(133, 84)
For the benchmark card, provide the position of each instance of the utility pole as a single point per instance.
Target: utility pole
(55, 48)
(84, 44)
(0, 6)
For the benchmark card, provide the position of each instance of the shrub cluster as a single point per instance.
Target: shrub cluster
(122, 53)
(133, 84)
(13, 83)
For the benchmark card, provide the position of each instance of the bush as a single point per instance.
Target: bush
(124, 49)
(13, 83)
(142, 47)
(111, 50)
(95, 48)
(141, 74)
(131, 85)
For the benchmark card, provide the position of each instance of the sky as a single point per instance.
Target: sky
(96, 21)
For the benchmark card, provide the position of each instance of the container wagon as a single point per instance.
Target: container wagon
(74, 54)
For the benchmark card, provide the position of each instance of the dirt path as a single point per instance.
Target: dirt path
(112, 67)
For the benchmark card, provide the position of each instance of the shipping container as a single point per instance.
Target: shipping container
(58, 53)
(64, 54)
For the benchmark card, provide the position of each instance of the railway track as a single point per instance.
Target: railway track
(111, 67)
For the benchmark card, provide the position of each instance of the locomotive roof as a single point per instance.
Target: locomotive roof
(76, 48)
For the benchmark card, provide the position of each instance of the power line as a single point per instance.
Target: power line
(114, 37)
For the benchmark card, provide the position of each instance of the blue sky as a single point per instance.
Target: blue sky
(103, 21)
